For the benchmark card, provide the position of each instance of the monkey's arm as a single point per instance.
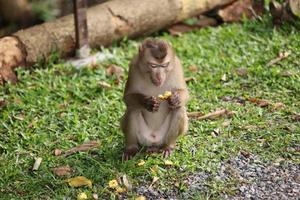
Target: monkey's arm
(133, 99)
(183, 96)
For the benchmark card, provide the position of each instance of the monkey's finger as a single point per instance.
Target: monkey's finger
(126, 157)
(166, 153)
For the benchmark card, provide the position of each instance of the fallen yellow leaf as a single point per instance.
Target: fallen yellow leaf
(82, 196)
(113, 184)
(168, 163)
(79, 181)
(120, 190)
(140, 198)
(141, 163)
(154, 168)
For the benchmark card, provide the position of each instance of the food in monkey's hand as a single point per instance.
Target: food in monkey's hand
(165, 96)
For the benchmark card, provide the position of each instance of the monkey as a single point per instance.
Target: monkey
(149, 121)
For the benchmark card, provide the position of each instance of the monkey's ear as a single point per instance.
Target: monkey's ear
(141, 48)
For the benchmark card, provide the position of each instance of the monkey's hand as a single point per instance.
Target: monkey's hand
(152, 103)
(174, 100)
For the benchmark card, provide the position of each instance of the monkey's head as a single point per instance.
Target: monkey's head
(156, 60)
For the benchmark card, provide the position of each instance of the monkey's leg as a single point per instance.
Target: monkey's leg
(178, 125)
(129, 125)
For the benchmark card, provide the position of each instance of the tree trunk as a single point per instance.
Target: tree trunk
(107, 22)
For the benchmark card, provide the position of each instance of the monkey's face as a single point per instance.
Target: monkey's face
(158, 72)
(156, 61)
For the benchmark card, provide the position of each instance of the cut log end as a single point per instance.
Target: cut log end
(12, 55)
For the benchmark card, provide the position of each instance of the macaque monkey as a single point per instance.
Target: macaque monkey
(151, 121)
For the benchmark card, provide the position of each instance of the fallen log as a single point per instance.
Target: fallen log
(107, 22)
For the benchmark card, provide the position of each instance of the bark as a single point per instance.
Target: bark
(107, 22)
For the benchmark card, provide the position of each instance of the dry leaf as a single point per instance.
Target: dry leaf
(278, 161)
(62, 171)
(226, 123)
(259, 102)
(95, 196)
(278, 105)
(224, 77)
(238, 10)
(141, 163)
(193, 68)
(238, 100)
(79, 181)
(296, 117)
(2, 103)
(246, 154)
(216, 114)
(168, 163)
(140, 198)
(113, 184)
(242, 71)
(216, 132)
(154, 180)
(115, 70)
(188, 79)
(57, 152)
(37, 164)
(126, 182)
(195, 114)
(281, 56)
(82, 196)
(18, 101)
(104, 85)
(120, 189)
(84, 147)
(286, 73)
(154, 168)
(19, 117)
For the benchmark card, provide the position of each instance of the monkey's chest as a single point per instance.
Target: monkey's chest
(155, 120)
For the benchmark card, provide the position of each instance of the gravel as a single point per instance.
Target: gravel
(254, 179)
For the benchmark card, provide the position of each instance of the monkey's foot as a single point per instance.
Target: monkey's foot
(152, 149)
(129, 153)
(166, 152)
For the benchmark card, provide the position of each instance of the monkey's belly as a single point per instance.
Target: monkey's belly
(153, 127)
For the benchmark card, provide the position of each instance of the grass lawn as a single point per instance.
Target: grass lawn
(56, 106)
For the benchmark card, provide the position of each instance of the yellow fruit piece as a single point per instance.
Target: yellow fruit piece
(161, 96)
(165, 96)
(82, 196)
(120, 190)
(79, 181)
(168, 163)
(113, 184)
(140, 198)
(141, 163)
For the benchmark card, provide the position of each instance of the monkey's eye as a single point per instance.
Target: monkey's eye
(153, 65)
(165, 64)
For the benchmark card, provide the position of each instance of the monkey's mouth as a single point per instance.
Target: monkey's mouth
(157, 83)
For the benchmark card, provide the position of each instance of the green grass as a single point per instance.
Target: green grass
(93, 113)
